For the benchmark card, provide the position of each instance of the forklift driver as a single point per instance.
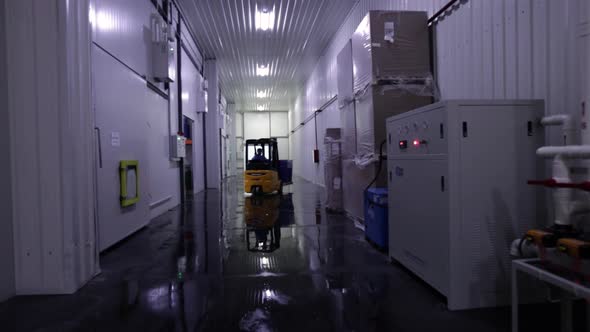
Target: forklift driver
(259, 156)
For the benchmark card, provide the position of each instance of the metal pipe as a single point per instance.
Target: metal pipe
(442, 11)
(557, 120)
(179, 100)
(567, 125)
(561, 196)
(316, 130)
(312, 116)
(569, 151)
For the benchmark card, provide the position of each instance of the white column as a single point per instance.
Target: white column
(231, 130)
(212, 126)
(51, 144)
(583, 31)
(6, 243)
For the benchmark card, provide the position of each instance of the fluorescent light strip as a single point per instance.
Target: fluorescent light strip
(264, 19)
(262, 70)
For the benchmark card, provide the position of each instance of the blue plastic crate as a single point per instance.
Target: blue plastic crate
(376, 217)
(286, 171)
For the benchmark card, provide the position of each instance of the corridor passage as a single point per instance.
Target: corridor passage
(235, 263)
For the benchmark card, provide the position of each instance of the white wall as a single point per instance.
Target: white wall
(122, 29)
(305, 139)
(485, 49)
(239, 150)
(6, 236)
(213, 125)
(199, 152)
(264, 124)
(231, 130)
(51, 144)
(193, 104)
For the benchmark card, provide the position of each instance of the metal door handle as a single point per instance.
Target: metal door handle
(99, 147)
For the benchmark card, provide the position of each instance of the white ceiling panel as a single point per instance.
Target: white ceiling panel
(285, 36)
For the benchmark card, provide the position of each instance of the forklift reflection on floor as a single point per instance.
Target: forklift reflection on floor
(263, 231)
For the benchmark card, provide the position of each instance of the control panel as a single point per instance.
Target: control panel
(420, 134)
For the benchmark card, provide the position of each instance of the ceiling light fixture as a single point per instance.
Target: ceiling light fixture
(262, 70)
(261, 94)
(260, 108)
(264, 18)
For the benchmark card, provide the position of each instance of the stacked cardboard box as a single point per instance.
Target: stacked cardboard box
(391, 75)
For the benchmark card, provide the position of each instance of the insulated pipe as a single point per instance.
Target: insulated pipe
(567, 125)
(580, 207)
(567, 152)
(561, 196)
(557, 120)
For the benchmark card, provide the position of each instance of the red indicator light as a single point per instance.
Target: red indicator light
(416, 142)
(403, 145)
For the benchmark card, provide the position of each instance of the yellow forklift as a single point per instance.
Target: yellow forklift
(262, 167)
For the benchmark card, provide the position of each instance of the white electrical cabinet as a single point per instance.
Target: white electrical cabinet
(163, 50)
(458, 194)
(177, 146)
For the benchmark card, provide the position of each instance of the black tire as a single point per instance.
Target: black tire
(281, 188)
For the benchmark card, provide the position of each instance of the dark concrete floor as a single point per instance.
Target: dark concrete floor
(229, 263)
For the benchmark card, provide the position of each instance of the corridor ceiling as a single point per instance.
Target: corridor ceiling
(266, 49)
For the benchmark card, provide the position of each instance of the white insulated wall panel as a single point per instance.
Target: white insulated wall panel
(279, 124)
(124, 29)
(191, 87)
(283, 145)
(302, 153)
(190, 46)
(164, 180)
(6, 229)
(256, 125)
(121, 100)
(198, 153)
(48, 103)
(239, 124)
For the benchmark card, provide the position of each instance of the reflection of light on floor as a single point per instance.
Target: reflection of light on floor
(271, 295)
(264, 263)
(159, 298)
(257, 320)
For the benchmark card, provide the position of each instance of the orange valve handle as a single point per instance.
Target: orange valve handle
(574, 248)
(541, 238)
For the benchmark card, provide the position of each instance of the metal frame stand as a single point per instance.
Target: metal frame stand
(568, 286)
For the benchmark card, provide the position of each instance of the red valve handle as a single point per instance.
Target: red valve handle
(584, 186)
(551, 183)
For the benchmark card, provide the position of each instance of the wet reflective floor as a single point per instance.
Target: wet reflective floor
(234, 263)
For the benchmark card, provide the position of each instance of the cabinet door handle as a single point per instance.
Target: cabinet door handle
(442, 184)
(99, 147)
